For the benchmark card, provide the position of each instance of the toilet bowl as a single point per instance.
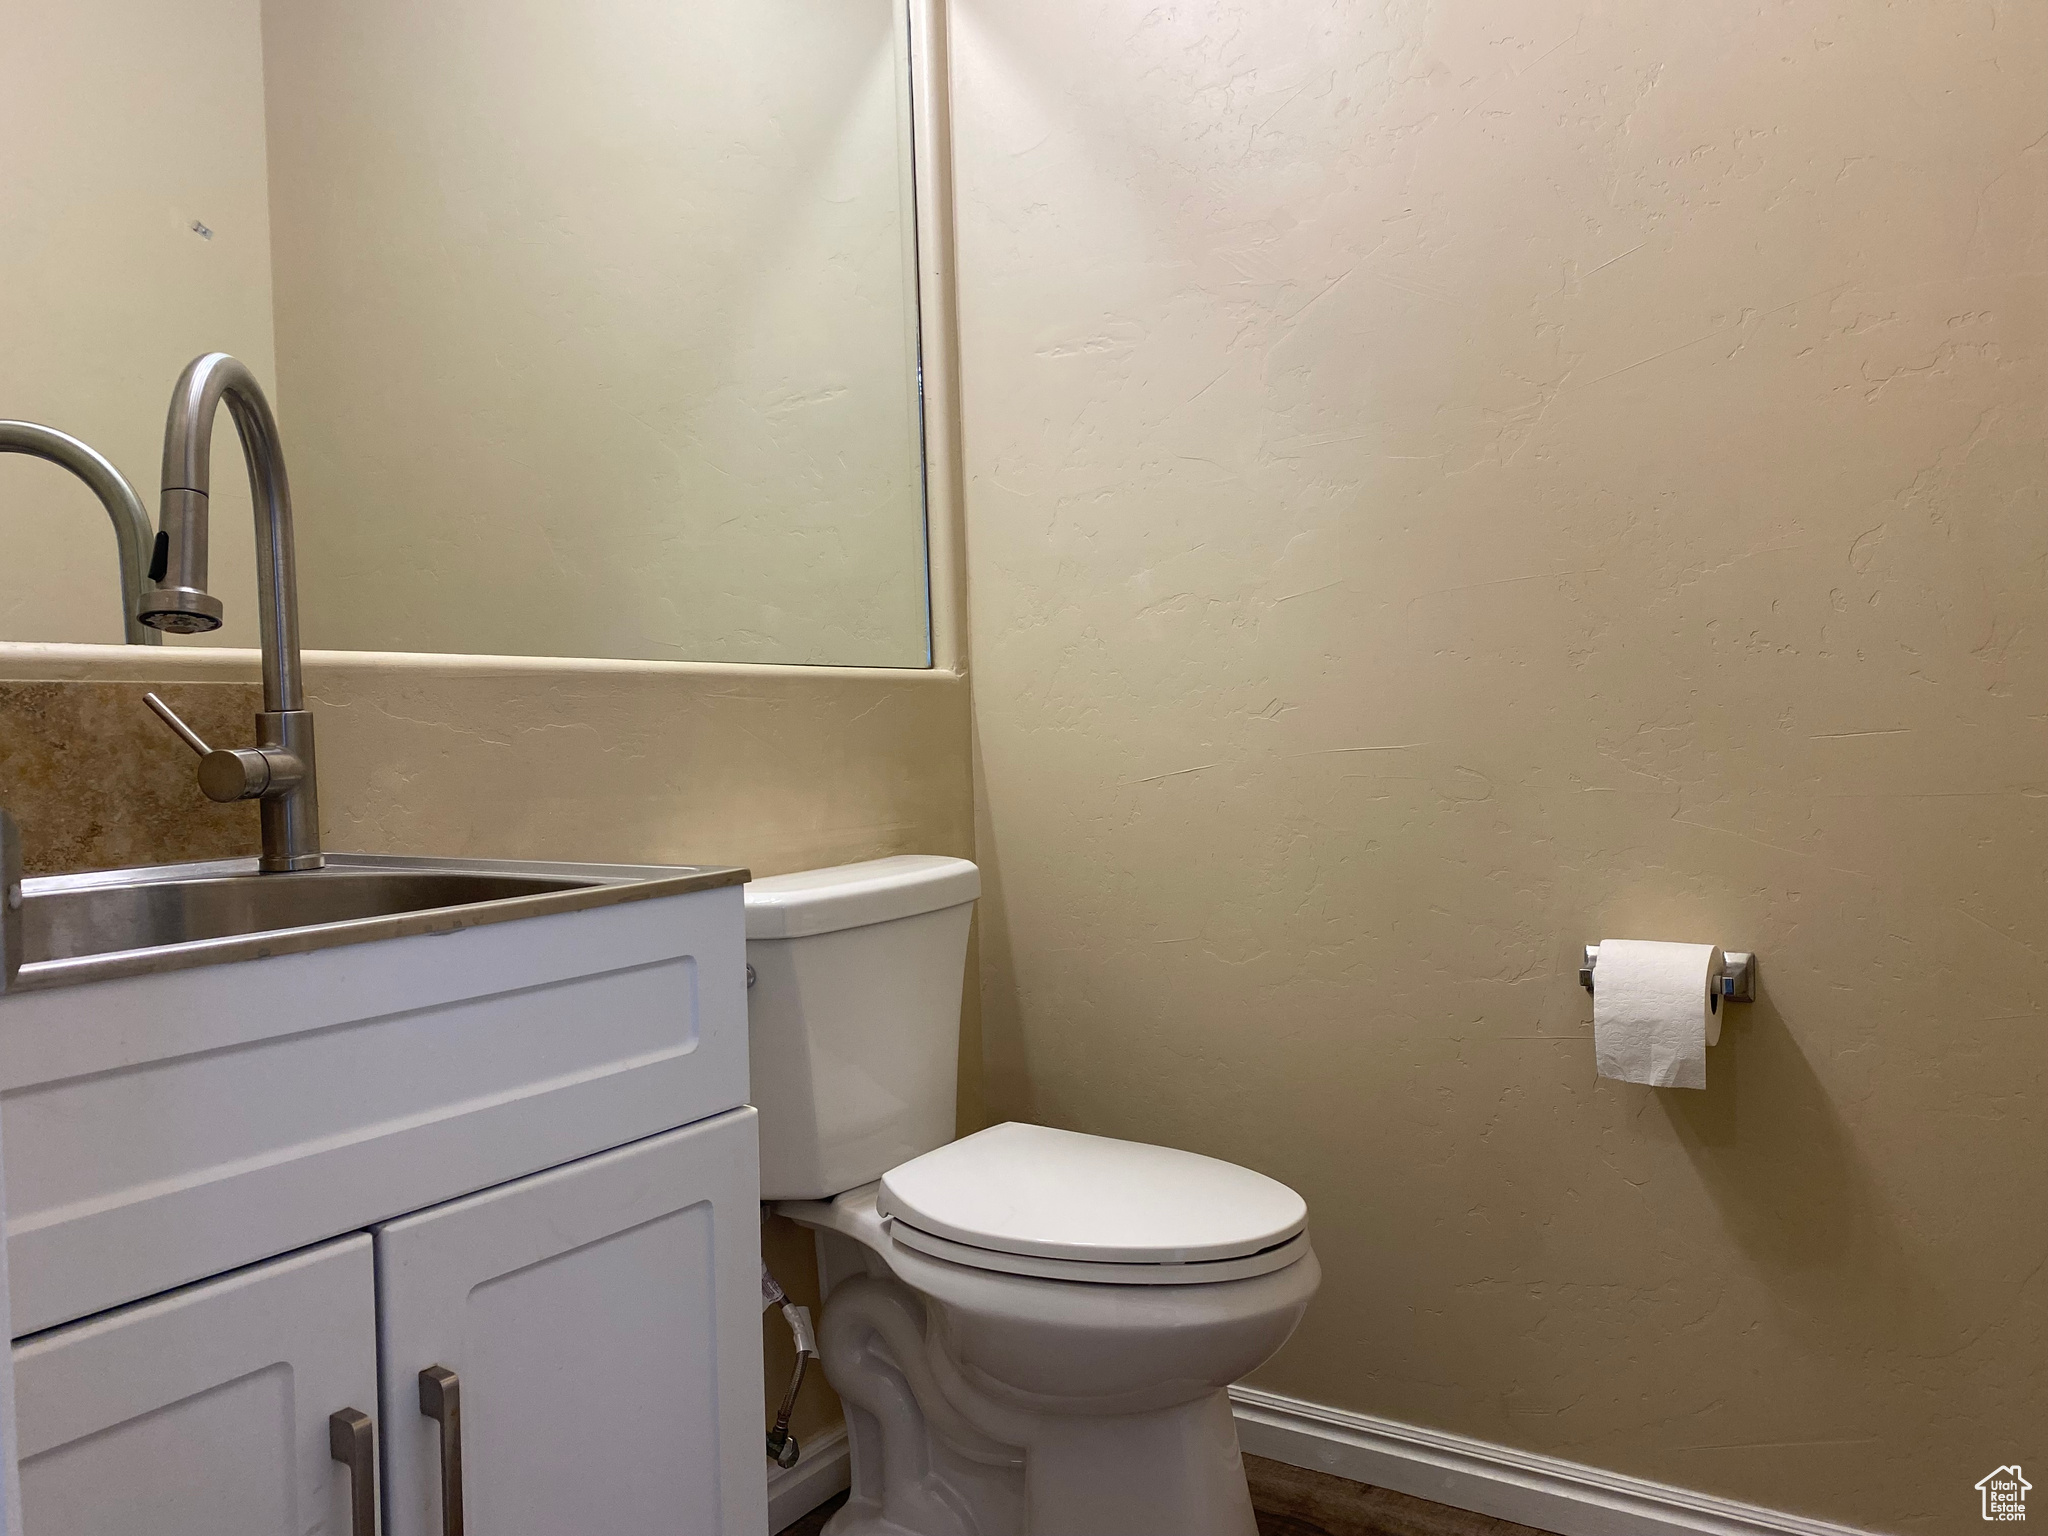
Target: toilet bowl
(1031, 1329)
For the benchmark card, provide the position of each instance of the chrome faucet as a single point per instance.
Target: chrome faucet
(279, 770)
(131, 523)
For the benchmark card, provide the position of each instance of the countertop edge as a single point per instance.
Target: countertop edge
(644, 885)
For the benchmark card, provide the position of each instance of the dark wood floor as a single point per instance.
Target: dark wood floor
(1293, 1502)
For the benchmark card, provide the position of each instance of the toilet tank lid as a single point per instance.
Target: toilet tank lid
(854, 895)
(1031, 1189)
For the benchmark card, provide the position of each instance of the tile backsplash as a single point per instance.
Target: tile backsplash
(97, 781)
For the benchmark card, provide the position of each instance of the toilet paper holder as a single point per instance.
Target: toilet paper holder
(1738, 979)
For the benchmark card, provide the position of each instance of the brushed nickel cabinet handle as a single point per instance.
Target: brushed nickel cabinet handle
(10, 900)
(352, 1441)
(441, 1400)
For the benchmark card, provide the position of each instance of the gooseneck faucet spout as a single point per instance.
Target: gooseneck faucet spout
(279, 770)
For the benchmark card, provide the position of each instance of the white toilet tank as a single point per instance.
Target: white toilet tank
(853, 1017)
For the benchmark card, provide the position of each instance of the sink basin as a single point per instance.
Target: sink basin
(96, 927)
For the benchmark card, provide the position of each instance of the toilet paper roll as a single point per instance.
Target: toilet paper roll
(1654, 1013)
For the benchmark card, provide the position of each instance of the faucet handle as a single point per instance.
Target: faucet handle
(169, 716)
(229, 774)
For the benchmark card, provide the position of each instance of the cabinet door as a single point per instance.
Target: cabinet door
(601, 1322)
(204, 1412)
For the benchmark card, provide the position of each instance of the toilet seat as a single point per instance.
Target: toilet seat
(1035, 1201)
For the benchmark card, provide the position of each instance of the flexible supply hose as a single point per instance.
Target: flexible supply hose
(783, 1449)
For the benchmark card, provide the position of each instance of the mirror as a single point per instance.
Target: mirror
(591, 328)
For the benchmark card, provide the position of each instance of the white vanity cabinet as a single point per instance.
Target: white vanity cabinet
(159, 1129)
(584, 1319)
(579, 1325)
(243, 1197)
(205, 1412)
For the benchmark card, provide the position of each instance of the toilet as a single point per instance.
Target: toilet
(1032, 1330)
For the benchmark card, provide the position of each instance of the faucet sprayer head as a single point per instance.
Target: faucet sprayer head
(186, 608)
(180, 603)
(180, 610)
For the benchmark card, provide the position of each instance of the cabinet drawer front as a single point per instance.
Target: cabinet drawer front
(310, 1095)
(205, 1412)
(601, 1323)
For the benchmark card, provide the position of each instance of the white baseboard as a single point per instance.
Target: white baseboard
(1542, 1491)
(822, 1470)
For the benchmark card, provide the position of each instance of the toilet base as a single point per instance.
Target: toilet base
(934, 1456)
(1085, 1489)
(980, 1403)
(1176, 1472)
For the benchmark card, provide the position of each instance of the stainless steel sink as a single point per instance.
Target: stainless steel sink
(130, 922)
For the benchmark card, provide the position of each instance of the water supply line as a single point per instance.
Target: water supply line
(782, 1446)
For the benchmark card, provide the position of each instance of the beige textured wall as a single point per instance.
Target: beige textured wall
(773, 768)
(124, 124)
(596, 327)
(1448, 482)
